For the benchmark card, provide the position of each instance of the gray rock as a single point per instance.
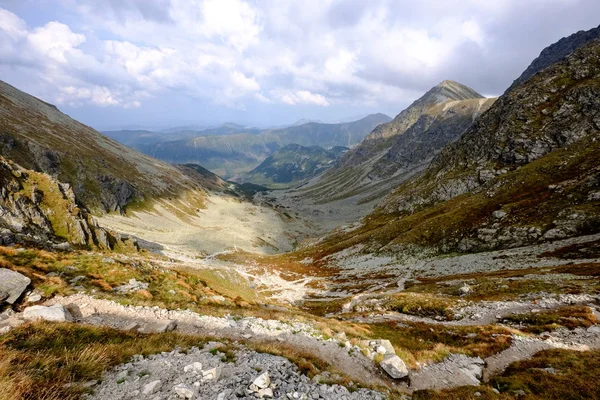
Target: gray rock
(499, 214)
(151, 387)
(34, 297)
(12, 285)
(394, 366)
(262, 381)
(464, 290)
(211, 374)
(159, 327)
(184, 391)
(56, 313)
(195, 367)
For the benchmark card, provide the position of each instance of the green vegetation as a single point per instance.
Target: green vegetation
(100, 273)
(291, 164)
(424, 343)
(570, 317)
(548, 375)
(49, 361)
(422, 305)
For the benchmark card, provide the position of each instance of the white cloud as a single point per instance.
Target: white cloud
(299, 97)
(55, 40)
(232, 52)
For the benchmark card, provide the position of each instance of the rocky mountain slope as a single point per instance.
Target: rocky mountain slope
(556, 52)
(291, 164)
(105, 175)
(395, 151)
(526, 171)
(231, 154)
(35, 209)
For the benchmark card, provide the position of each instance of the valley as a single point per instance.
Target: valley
(452, 252)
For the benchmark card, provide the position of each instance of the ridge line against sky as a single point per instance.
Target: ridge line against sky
(116, 63)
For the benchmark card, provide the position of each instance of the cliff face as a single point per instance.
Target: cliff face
(37, 209)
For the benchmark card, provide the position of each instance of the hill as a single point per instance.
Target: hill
(292, 164)
(241, 152)
(104, 174)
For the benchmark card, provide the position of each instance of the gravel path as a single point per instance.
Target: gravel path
(299, 335)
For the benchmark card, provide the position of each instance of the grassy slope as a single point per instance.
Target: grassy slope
(38, 136)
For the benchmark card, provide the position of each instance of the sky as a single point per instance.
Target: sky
(116, 64)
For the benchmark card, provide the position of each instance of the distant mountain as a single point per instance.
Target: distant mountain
(527, 171)
(138, 138)
(555, 53)
(291, 164)
(303, 121)
(104, 174)
(135, 138)
(229, 155)
(395, 151)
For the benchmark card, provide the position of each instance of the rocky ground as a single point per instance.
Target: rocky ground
(208, 373)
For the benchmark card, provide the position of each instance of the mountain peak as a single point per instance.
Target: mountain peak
(452, 90)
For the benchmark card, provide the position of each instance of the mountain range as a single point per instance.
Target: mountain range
(234, 153)
(524, 172)
(292, 164)
(401, 148)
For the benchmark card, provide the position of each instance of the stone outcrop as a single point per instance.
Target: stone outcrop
(12, 285)
(55, 313)
(394, 366)
(37, 209)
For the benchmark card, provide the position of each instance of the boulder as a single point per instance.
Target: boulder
(159, 327)
(464, 290)
(34, 298)
(56, 313)
(211, 374)
(195, 367)
(394, 366)
(12, 285)
(151, 388)
(262, 381)
(184, 391)
(386, 345)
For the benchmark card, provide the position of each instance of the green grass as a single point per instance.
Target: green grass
(424, 343)
(51, 361)
(575, 377)
(570, 317)
(168, 288)
(422, 305)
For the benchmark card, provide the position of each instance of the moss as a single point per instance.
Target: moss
(570, 317)
(575, 376)
(423, 343)
(422, 305)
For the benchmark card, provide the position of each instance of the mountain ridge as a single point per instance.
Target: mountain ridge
(105, 175)
(241, 152)
(388, 156)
